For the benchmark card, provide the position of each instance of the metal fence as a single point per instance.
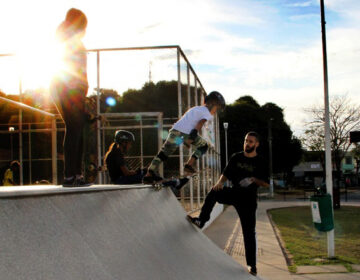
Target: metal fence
(146, 64)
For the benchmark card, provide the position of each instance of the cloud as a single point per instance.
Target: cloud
(304, 17)
(227, 42)
(301, 4)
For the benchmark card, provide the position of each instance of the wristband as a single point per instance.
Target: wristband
(193, 134)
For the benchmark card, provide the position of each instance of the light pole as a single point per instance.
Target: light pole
(11, 129)
(271, 189)
(226, 126)
(328, 165)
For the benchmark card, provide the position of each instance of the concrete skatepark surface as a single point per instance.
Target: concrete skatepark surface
(103, 233)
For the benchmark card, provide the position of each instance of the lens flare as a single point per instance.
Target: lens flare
(111, 101)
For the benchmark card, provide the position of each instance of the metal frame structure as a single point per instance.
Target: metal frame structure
(210, 162)
(29, 130)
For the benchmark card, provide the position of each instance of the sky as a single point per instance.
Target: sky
(270, 49)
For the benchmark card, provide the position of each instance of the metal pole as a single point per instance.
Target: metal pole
(204, 172)
(160, 141)
(226, 125)
(20, 137)
(218, 167)
(181, 149)
(271, 189)
(11, 129)
(29, 152)
(98, 123)
(328, 165)
(190, 149)
(54, 151)
(198, 161)
(141, 144)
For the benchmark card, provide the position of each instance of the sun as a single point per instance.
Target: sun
(38, 63)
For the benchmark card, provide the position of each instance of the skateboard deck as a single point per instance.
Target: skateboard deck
(175, 183)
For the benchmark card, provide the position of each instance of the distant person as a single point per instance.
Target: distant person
(69, 88)
(247, 171)
(186, 130)
(115, 163)
(11, 173)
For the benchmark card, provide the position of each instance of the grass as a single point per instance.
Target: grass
(307, 246)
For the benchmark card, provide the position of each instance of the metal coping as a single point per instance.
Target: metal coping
(22, 105)
(37, 190)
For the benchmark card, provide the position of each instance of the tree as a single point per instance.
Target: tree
(245, 115)
(344, 117)
(356, 154)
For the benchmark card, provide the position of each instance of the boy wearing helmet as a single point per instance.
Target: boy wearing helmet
(115, 162)
(186, 131)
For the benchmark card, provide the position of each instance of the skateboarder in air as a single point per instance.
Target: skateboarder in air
(186, 131)
(247, 171)
(115, 162)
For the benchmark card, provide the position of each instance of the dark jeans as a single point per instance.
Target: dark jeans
(133, 179)
(246, 209)
(71, 105)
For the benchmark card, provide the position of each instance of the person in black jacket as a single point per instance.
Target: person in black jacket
(247, 171)
(115, 162)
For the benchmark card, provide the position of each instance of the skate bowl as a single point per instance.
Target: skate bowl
(104, 232)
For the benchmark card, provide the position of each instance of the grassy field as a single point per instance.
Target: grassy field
(307, 246)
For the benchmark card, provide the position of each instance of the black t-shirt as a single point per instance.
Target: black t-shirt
(114, 161)
(241, 167)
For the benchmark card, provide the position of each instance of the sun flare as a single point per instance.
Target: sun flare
(39, 63)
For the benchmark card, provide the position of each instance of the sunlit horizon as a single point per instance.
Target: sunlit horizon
(268, 49)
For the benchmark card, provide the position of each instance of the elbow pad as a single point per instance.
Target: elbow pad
(193, 134)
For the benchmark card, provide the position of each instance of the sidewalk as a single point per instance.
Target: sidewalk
(271, 263)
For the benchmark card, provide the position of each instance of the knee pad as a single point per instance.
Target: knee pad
(203, 149)
(161, 155)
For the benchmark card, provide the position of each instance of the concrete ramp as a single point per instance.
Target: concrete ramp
(104, 233)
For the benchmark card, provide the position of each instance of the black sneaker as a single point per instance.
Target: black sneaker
(189, 169)
(153, 178)
(196, 221)
(69, 182)
(252, 270)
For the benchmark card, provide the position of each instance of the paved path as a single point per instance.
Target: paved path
(226, 233)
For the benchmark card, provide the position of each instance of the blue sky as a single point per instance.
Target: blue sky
(270, 49)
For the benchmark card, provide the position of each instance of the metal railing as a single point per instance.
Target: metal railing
(188, 81)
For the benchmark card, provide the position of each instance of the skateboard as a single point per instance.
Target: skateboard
(174, 183)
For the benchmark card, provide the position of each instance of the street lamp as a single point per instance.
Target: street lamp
(226, 126)
(270, 159)
(11, 129)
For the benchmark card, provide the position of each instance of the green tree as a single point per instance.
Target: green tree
(245, 115)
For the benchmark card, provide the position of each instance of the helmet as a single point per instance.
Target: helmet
(124, 136)
(216, 97)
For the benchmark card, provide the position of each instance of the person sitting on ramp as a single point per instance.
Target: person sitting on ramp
(186, 131)
(115, 161)
(9, 174)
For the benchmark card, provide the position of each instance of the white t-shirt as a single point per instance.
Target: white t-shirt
(191, 118)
